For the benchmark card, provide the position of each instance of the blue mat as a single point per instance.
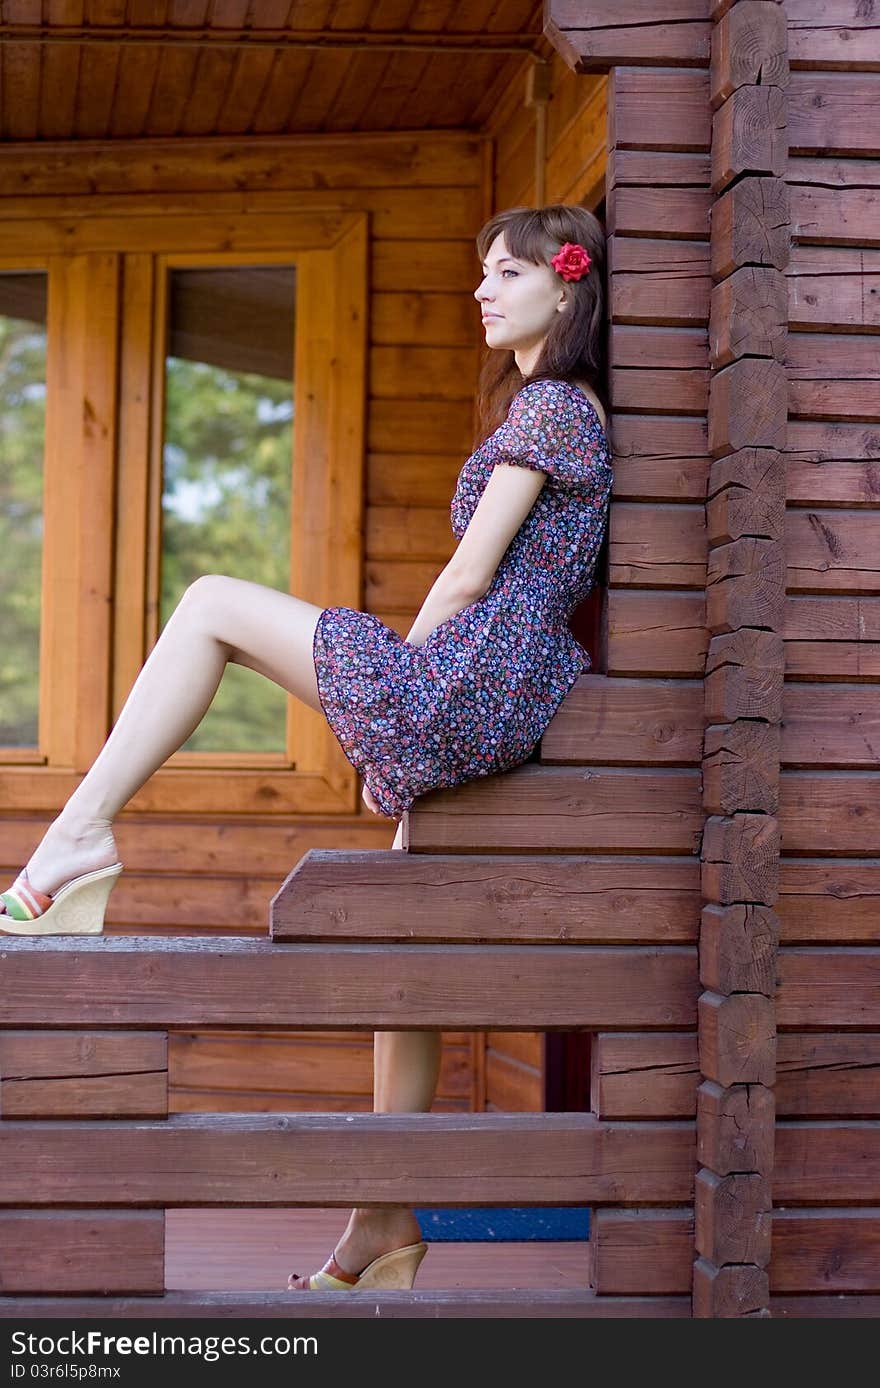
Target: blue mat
(505, 1224)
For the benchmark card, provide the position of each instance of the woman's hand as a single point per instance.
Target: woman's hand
(370, 800)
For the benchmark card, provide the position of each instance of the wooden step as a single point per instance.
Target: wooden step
(562, 809)
(356, 1305)
(192, 981)
(347, 1159)
(338, 895)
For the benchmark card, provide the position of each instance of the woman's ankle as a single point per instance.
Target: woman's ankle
(370, 1233)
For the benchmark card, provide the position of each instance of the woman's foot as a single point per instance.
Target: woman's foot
(370, 1233)
(68, 849)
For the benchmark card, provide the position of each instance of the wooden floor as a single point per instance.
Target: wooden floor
(254, 1250)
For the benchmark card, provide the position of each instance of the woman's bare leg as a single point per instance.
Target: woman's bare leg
(217, 620)
(405, 1069)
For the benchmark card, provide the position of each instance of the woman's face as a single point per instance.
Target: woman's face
(518, 301)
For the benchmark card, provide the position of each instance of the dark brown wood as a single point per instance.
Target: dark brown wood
(749, 46)
(627, 722)
(654, 169)
(831, 287)
(660, 456)
(741, 858)
(735, 1131)
(644, 1074)
(826, 1250)
(340, 1159)
(480, 1305)
(745, 590)
(744, 673)
(749, 135)
(832, 549)
(650, 110)
(830, 725)
(738, 947)
(832, 34)
(106, 1252)
(833, 114)
(729, 1292)
(825, 1307)
(639, 210)
(833, 376)
(733, 1219)
(659, 633)
(604, 33)
(747, 406)
(655, 1074)
(655, 545)
(737, 1038)
(750, 226)
(833, 899)
(661, 281)
(748, 315)
(814, 991)
(393, 896)
(740, 767)
(82, 1074)
(62, 981)
(556, 809)
(830, 812)
(746, 496)
(830, 1163)
(834, 201)
(642, 1251)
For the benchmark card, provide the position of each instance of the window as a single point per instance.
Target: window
(22, 428)
(204, 383)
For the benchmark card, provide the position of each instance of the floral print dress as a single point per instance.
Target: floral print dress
(475, 698)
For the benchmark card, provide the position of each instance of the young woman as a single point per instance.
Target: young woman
(470, 691)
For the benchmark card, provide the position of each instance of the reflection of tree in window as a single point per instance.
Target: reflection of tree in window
(22, 419)
(227, 465)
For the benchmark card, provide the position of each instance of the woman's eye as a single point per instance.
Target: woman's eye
(508, 272)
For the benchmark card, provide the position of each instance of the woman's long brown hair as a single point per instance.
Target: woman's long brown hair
(575, 348)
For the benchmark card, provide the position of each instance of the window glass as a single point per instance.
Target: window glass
(227, 451)
(22, 430)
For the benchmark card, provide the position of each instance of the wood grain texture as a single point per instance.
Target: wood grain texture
(341, 1159)
(76, 1074)
(104, 1252)
(393, 896)
(193, 982)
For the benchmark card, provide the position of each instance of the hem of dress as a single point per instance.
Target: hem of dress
(396, 814)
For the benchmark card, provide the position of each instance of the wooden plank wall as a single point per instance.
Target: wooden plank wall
(792, 271)
(515, 1063)
(426, 196)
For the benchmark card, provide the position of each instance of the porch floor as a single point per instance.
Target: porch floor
(254, 1250)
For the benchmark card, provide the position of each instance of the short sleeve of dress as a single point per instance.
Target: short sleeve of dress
(550, 430)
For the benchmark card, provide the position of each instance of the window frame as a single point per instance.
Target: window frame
(104, 415)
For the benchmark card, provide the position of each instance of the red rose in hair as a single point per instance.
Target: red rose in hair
(571, 262)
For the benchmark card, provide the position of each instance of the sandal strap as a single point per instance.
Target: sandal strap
(23, 902)
(332, 1269)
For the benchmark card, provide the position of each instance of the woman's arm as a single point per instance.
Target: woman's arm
(507, 499)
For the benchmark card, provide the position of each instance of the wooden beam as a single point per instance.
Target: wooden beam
(202, 981)
(341, 1159)
(343, 897)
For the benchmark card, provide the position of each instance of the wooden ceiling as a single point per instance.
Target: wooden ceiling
(129, 69)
